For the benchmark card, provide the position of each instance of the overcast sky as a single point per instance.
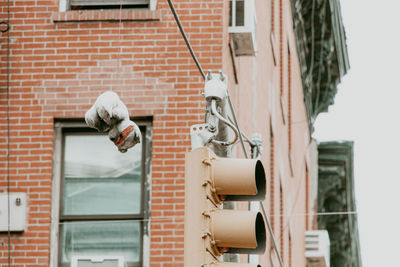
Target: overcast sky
(367, 111)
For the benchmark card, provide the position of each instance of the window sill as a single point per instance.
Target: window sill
(106, 15)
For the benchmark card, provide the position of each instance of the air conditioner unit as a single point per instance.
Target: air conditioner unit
(317, 248)
(242, 26)
(98, 261)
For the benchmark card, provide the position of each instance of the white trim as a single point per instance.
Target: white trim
(55, 199)
(153, 4)
(62, 7)
(97, 259)
(233, 13)
(146, 249)
(249, 18)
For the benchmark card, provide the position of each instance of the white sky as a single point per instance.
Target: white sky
(366, 110)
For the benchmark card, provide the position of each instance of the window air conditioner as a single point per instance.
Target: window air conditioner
(242, 26)
(98, 261)
(317, 248)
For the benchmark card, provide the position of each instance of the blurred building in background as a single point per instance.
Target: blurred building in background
(336, 195)
(79, 196)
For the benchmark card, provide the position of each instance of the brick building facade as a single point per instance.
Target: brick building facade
(63, 55)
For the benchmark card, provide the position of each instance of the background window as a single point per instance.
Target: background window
(102, 205)
(236, 13)
(242, 27)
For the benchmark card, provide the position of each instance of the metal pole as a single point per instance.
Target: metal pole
(272, 234)
(185, 38)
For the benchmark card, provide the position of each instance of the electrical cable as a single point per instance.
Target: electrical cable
(216, 113)
(246, 139)
(272, 234)
(179, 219)
(119, 41)
(237, 126)
(8, 134)
(185, 38)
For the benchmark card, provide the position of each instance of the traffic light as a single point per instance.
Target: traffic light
(210, 230)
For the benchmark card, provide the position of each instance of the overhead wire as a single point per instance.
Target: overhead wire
(180, 219)
(119, 40)
(237, 126)
(8, 134)
(171, 5)
(219, 116)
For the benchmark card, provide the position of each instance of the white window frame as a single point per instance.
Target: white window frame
(250, 22)
(56, 193)
(97, 259)
(249, 17)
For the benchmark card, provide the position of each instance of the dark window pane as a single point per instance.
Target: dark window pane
(98, 179)
(230, 13)
(120, 238)
(240, 13)
(108, 3)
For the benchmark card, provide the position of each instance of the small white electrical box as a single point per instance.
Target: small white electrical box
(17, 202)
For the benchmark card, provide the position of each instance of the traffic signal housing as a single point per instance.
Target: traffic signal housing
(210, 230)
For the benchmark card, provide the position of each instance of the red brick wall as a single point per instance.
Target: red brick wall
(59, 67)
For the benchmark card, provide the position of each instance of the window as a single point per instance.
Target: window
(103, 201)
(242, 26)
